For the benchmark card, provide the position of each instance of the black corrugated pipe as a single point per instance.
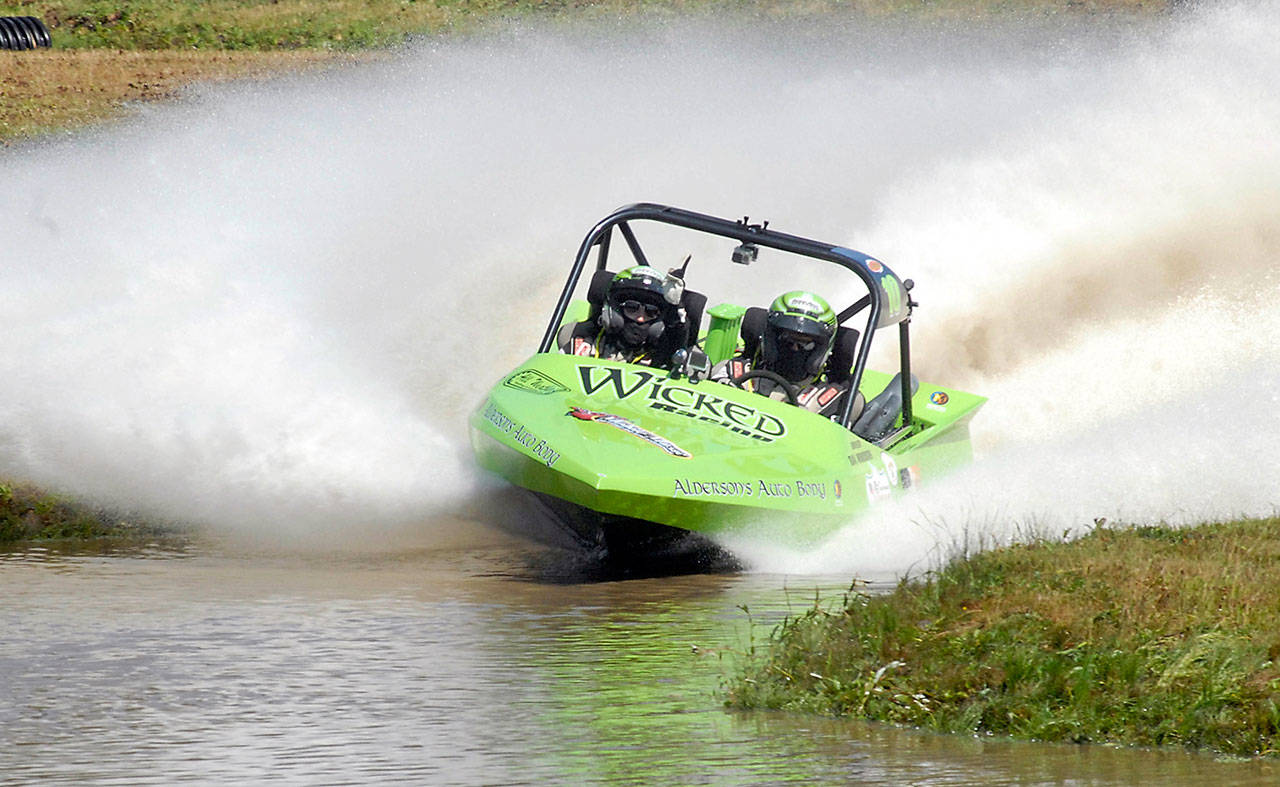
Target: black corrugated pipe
(23, 32)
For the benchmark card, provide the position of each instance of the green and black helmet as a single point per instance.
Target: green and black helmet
(800, 330)
(636, 305)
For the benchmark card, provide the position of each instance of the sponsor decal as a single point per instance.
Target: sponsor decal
(691, 488)
(822, 394)
(939, 397)
(687, 487)
(803, 304)
(859, 457)
(878, 486)
(619, 422)
(893, 301)
(910, 476)
(892, 294)
(534, 381)
(664, 395)
(836, 489)
(774, 489)
(645, 272)
(890, 468)
(519, 434)
(807, 489)
(882, 480)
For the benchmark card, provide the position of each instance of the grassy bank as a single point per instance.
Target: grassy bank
(107, 53)
(30, 514)
(273, 24)
(1147, 636)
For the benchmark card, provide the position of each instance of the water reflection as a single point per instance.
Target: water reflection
(199, 663)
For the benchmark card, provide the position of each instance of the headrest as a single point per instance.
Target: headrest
(693, 303)
(754, 323)
(600, 282)
(843, 353)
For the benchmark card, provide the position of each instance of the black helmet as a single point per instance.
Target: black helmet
(636, 305)
(801, 328)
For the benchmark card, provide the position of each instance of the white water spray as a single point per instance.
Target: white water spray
(1105, 274)
(272, 306)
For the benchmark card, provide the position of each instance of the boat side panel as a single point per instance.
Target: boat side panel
(699, 514)
(630, 441)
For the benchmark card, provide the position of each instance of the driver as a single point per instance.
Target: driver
(637, 322)
(799, 333)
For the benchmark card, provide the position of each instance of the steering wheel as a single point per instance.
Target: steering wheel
(782, 382)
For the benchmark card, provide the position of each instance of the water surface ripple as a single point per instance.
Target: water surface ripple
(466, 666)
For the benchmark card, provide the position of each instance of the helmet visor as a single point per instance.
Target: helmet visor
(794, 341)
(801, 326)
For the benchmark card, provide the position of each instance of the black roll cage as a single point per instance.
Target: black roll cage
(743, 232)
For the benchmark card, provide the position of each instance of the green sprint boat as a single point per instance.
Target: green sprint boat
(628, 456)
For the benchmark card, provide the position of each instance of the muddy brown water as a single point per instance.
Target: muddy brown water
(492, 663)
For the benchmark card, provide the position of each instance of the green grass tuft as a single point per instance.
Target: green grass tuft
(29, 514)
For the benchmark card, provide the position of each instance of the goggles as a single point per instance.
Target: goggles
(638, 311)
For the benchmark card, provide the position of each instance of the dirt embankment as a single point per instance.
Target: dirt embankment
(48, 91)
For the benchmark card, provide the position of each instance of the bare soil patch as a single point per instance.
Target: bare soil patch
(47, 90)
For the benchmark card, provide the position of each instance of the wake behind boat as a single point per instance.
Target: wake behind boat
(631, 453)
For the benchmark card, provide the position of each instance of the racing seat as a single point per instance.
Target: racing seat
(877, 419)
